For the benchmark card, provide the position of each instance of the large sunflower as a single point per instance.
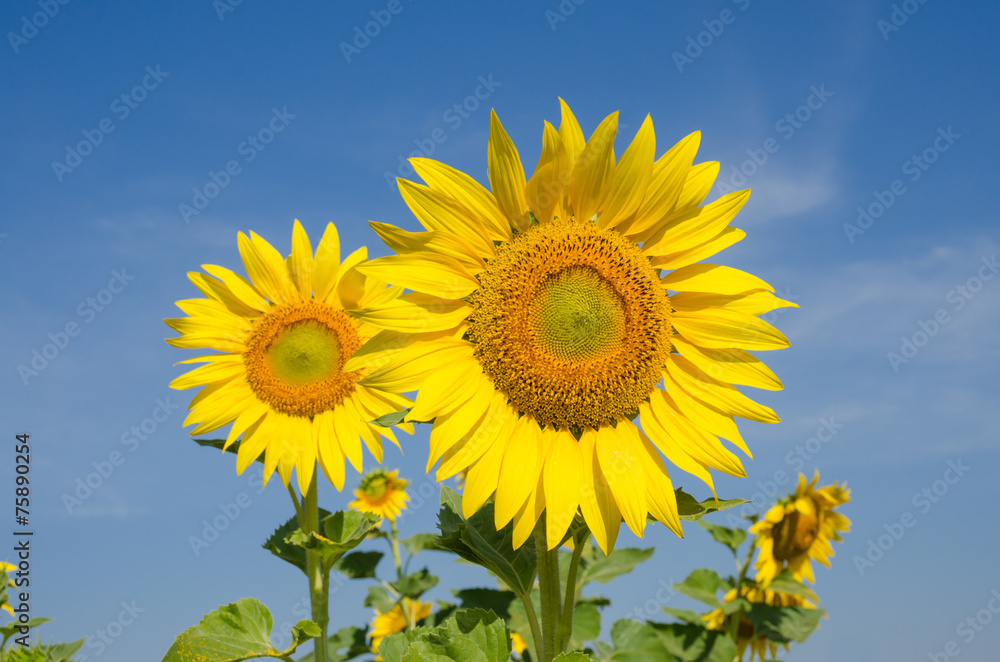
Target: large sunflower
(546, 316)
(285, 335)
(800, 528)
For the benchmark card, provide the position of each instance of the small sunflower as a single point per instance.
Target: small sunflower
(799, 528)
(5, 568)
(409, 612)
(285, 336)
(563, 333)
(745, 636)
(518, 643)
(382, 493)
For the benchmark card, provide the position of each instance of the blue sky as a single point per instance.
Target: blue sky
(826, 107)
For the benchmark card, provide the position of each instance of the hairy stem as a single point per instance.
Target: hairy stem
(548, 588)
(319, 586)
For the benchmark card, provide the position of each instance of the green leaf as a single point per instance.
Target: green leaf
(783, 625)
(380, 599)
(359, 565)
(685, 615)
(348, 643)
(596, 567)
(488, 599)
(286, 551)
(238, 631)
(586, 625)
(418, 542)
(690, 509)
(342, 531)
(392, 418)
(477, 540)
(731, 538)
(695, 643)
(702, 585)
(785, 582)
(634, 642)
(572, 657)
(219, 443)
(10, 629)
(472, 635)
(415, 584)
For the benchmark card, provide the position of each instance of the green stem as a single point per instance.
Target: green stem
(394, 539)
(565, 630)
(319, 586)
(737, 616)
(548, 588)
(295, 502)
(536, 631)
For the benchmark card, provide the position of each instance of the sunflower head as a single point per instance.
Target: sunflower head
(563, 333)
(4, 603)
(283, 337)
(799, 528)
(382, 493)
(406, 614)
(746, 635)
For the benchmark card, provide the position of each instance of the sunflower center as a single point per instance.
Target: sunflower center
(794, 534)
(294, 357)
(572, 324)
(577, 315)
(374, 488)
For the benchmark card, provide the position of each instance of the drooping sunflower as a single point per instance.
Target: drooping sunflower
(284, 337)
(547, 316)
(407, 612)
(381, 492)
(746, 635)
(799, 528)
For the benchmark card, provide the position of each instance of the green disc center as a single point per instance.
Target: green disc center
(304, 353)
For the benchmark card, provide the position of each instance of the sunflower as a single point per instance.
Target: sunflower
(409, 612)
(545, 317)
(800, 528)
(284, 337)
(745, 635)
(4, 603)
(382, 493)
(518, 644)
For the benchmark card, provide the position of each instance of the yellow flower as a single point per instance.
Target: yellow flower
(545, 315)
(285, 335)
(717, 620)
(382, 493)
(800, 528)
(5, 568)
(518, 643)
(408, 613)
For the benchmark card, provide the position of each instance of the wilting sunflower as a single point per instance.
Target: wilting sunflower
(546, 316)
(285, 335)
(382, 493)
(800, 528)
(409, 612)
(746, 635)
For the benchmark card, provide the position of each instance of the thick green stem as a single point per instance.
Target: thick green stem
(394, 541)
(319, 586)
(536, 631)
(548, 588)
(565, 630)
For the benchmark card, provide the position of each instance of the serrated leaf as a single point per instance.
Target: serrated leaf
(596, 567)
(472, 635)
(392, 418)
(477, 540)
(380, 599)
(342, 531)
(348, 643)
(731, 538)
(286, 551)
(359, 565)
(701, 585)
(418, 542)
(572, 657)
(688, 508)
(695, 643)
(634, 642)
(586, 625)
(785, 582)
(238, 631)
(489, 599)
(415, 584)
(783, 625)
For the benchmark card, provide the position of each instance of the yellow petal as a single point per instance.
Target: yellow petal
(752, 303)
(216, 290)
(723, 240)
(438, 212)
(416, 312)
(545, 190)
(696, 442)
(688, 228)
(386, 344)
(472, 447)
(351, 284)
(597, 503)
(563, 474)
(669, 174)
(713, 278)
(506, 175)
(670, 447)
(719, 328)
(331, 459)
(266, 268)
(348, 436)
(408, 369)
(518, 471)
(445, 243)
(430, 273)
(697, 184)
(466, 190)
(631, 177)
(457, 426)
(660, 496)
(593, 170)
(722, 396)
(621, 463)
(216, 371)
(239, 287)
(527, 517)
(692, 398)
(300, 262)
(736, 366)
(570, 132)
(481, 480)
(451, 386)
(326, 264)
